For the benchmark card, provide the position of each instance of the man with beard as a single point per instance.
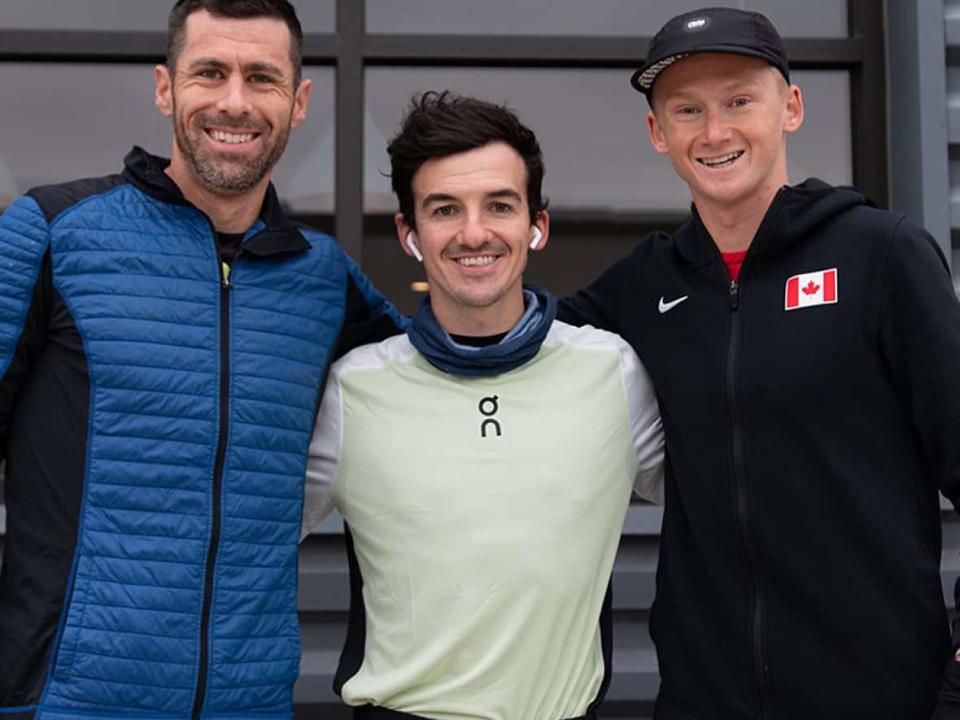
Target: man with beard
(164, 336)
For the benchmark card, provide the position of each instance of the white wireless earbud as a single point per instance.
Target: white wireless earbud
(412, 244)
(535, 238)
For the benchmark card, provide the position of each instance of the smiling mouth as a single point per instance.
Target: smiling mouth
(722, 161)
(231, 138)
(476, 260)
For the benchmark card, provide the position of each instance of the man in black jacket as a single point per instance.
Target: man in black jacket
(804, 349)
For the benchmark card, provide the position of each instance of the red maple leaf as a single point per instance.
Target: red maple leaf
(811, 288)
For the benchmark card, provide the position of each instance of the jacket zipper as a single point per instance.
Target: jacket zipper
(223, 428)
(757, 606)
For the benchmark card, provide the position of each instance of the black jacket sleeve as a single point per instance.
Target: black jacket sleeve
(369, 316)
(920, 341)
(601, 303)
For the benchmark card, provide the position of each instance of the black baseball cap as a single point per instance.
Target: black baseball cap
(711, 30)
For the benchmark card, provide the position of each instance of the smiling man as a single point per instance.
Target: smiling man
(804, 350)
(483, 462)
(164, 336)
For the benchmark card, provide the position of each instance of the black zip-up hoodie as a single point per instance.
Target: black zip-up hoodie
(799, 565)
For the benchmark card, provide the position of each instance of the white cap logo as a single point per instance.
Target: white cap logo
(696, 24)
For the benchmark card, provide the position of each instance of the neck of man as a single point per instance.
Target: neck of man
(733, 226)
(229, 213)
(495, 319)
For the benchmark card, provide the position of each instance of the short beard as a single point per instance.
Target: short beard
(226, 178)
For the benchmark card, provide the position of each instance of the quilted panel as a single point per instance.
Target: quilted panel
(23, 241)
(283, 315)
(143, 288)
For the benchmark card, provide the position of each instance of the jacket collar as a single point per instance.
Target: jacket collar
(273, 233)
(698, 247)
(795, 212)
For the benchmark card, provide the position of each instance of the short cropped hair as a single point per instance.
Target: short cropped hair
(441, 124)
(241, 9)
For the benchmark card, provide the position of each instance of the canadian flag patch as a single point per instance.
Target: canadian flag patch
(809, 289)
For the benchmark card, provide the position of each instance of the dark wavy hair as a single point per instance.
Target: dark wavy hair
(241, 9)
(444, 123)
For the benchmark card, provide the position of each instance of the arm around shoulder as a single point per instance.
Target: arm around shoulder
(599, 304)
(369, 317)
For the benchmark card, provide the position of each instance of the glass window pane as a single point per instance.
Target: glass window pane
(823, 147)
(813, 18)
(592, 129)
(78, 120)
(86, 15)
(315, 16)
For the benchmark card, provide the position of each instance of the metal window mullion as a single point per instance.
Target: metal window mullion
(868, 101)
(565, 51)
(82, 46)
(119, 46)
(349, 134)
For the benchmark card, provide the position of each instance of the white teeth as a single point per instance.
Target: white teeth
(722, 160)
(231, 138)
(479, 260)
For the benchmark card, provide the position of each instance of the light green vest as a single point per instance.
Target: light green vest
(485, 514)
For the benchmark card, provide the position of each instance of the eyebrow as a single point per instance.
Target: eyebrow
(266, 68)
(734, 86)
(504, 193)
(434, 198)
(254, 67)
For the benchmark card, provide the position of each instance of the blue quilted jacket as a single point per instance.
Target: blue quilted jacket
(154, 418)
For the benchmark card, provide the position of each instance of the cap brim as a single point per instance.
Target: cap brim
(671, 59)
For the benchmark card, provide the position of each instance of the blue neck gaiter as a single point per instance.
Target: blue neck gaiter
(517, 347)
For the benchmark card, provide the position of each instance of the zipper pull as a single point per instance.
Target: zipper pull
(734, 295)
(225, 275)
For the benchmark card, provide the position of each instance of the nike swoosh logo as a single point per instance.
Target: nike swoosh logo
(665, 307)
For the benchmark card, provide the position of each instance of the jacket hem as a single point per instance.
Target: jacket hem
(668, 710)
(373, 712)
(23, 712)
(47, 712)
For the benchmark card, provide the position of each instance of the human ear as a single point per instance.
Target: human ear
(163, 93)
(657, 139)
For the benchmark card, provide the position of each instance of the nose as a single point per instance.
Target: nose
(716, 130)
(474, 231)
(233, 100)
